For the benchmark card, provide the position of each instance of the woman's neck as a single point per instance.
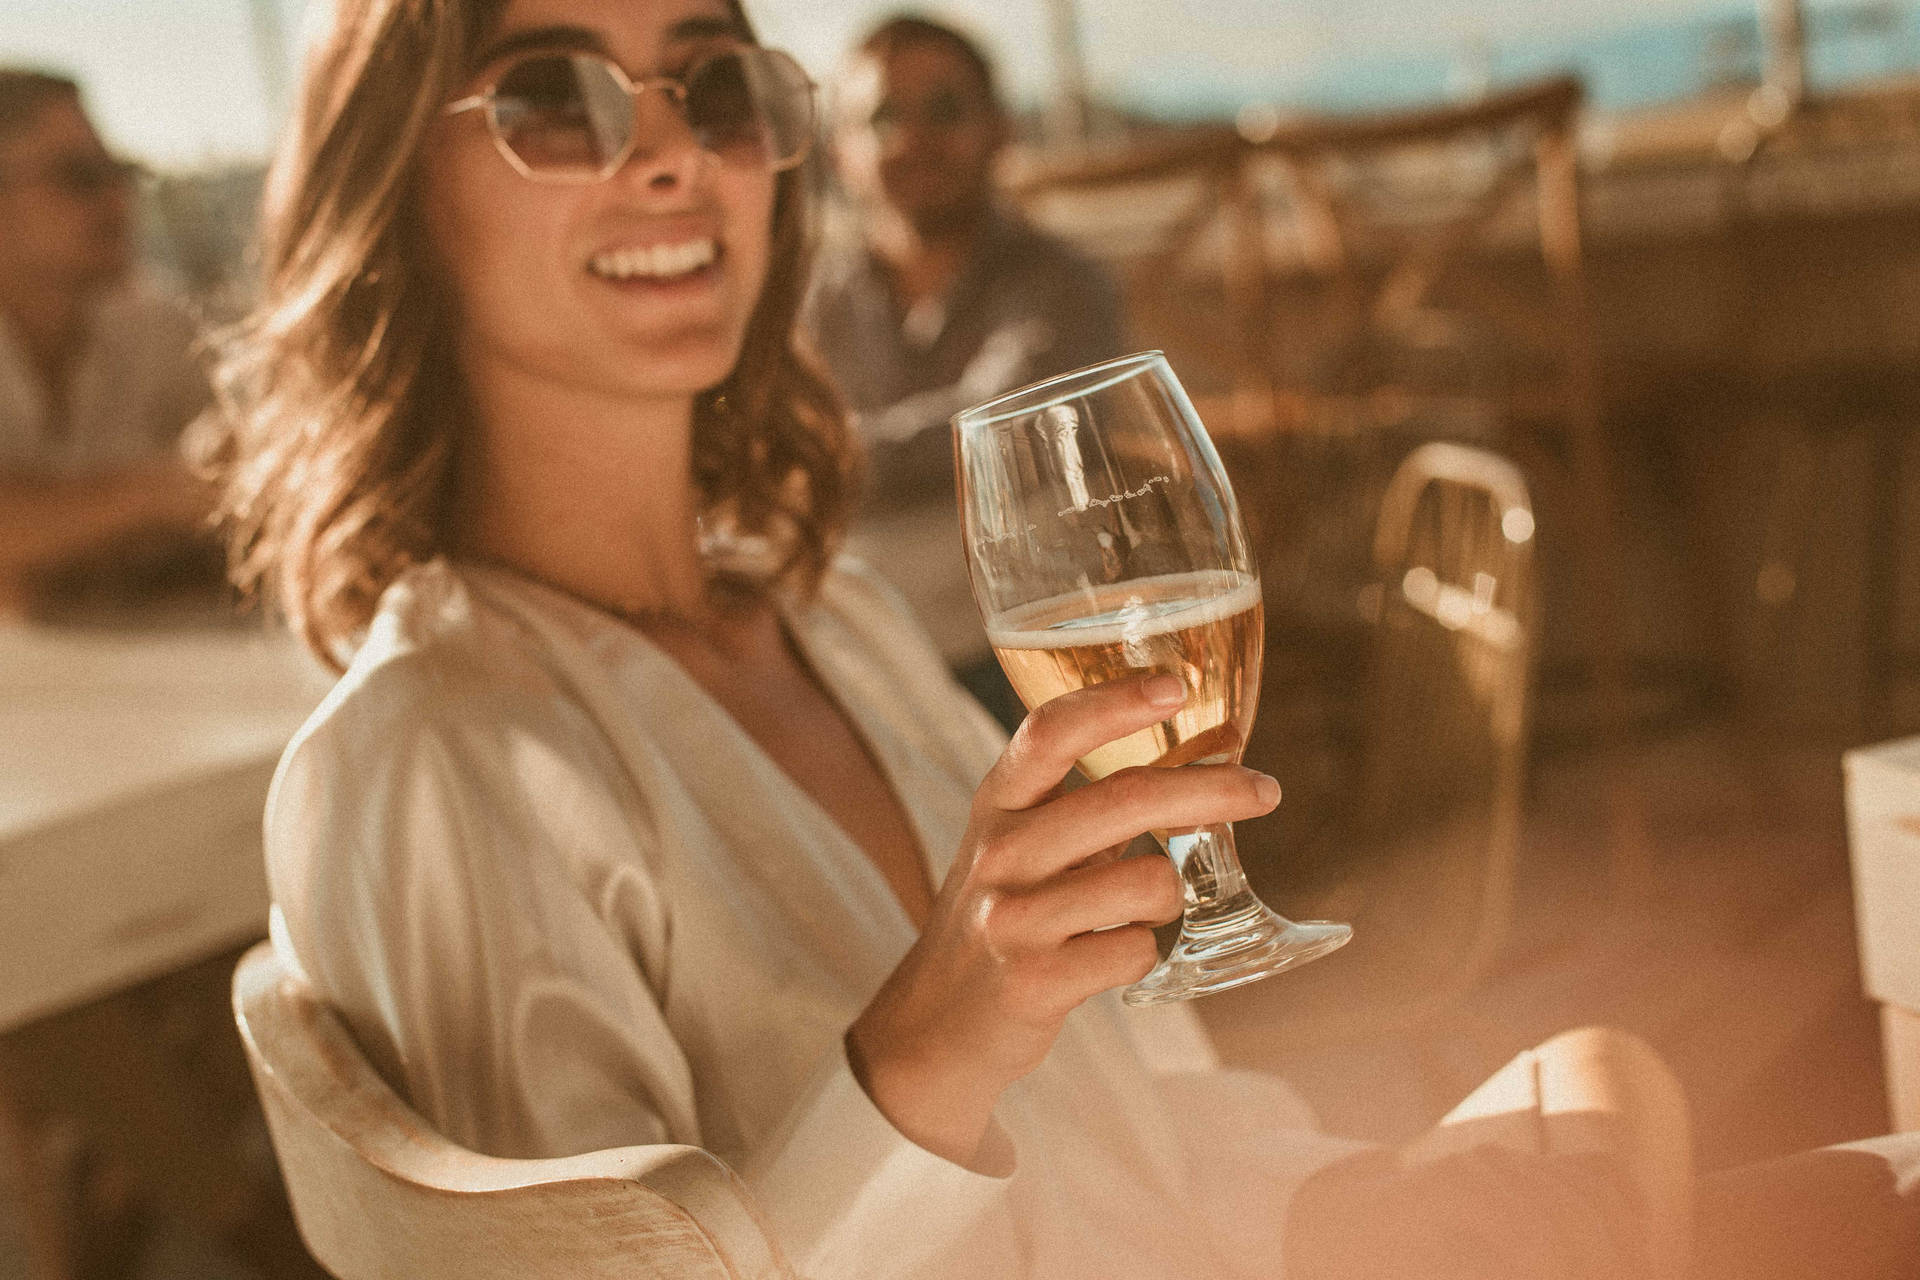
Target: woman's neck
(589, 491)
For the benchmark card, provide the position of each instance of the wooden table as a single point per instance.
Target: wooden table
(133, 770)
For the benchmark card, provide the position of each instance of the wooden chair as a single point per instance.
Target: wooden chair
(379, 1196)
(1355, 280)
(1157, 211)
(1422, 856)
(1388, 213)
(1441, 293)
(1425, 866)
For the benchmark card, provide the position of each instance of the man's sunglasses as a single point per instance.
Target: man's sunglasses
(574, 117)
(943, 109)
(84, 177)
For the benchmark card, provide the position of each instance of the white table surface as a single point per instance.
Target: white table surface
(133, 767)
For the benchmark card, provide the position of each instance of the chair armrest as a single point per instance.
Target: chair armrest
(377, 1191)
(692, 1178)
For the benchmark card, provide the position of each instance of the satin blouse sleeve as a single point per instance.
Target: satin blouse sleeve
(470, 886)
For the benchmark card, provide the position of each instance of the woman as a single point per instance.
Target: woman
(636, 817)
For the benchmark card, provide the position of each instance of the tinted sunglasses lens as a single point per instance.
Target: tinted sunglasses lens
(753, 101)
(563, 113)
(90, 176)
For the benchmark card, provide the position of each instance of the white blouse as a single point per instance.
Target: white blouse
(566, 903)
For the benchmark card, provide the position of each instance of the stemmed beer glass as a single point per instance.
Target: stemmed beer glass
(1103, 540)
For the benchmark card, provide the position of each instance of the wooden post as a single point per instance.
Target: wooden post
(1068, 115)
(1785, 34)
(1245, 277)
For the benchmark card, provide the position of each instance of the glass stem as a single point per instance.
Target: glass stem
(1209, 865)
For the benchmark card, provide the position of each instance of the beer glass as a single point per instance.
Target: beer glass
(1103, 541)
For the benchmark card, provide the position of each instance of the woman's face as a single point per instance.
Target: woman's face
(639, 285)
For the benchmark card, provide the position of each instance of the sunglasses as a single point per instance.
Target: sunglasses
(84, 177)
(574, 117)
(943, 109)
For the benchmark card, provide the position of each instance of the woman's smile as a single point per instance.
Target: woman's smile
(672, 267)
(662, 262)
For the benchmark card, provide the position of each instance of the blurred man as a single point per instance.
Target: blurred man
(96, 376)
(941, 299)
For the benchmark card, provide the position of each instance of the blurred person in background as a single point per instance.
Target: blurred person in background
(939, 298)
(97, 376)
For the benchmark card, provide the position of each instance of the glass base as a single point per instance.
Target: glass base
(1231, 943)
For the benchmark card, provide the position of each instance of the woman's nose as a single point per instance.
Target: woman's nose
(666, 152)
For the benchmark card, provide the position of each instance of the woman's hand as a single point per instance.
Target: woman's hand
(1037, 914)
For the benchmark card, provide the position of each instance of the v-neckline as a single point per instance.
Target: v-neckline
(795, 631)
(858, 725)
(864, 736)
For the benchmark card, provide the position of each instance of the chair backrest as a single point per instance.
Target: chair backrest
(1260, 256)
(1334, 289)
(1425, 871)
(1396, 219)
(379, 1195)
(1452, 602)
(1441, 294)
(1169, 214)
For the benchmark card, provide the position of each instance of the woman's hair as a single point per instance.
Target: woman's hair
(342, 408)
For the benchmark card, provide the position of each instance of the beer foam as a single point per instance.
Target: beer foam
(1139, 610)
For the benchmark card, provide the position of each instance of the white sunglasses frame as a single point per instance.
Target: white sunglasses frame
(674, 87)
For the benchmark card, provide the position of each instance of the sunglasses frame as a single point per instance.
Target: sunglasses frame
(673, 87)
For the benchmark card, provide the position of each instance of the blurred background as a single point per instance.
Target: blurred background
(1560, 707)
(198, 91)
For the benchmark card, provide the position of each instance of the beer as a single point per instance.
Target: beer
(1205, 627)
(1086, 478)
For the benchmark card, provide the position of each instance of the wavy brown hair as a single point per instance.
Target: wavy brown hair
(342, 408)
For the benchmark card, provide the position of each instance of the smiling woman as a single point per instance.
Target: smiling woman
(356, 331)
(638, 815)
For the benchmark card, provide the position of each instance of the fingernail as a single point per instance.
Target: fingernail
(1268, 789)
(1166, 691)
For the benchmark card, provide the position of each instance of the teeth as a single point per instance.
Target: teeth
(658, 262)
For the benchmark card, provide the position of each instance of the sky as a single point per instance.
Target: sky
(174, 82)
(179, 83)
